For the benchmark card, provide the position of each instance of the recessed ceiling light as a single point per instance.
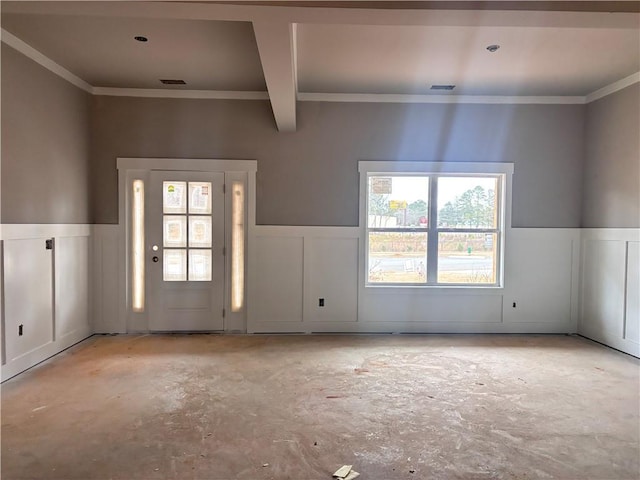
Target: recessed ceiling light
(493, 48)
(140, 38)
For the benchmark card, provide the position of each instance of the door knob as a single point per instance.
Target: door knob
(155, 259)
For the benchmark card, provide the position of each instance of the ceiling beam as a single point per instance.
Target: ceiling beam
(342, 16)
(529, 5)
(276, 45)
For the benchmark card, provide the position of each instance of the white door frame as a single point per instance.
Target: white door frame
(130, 169)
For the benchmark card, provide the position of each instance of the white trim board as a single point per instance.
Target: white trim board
(43, 353)
(161, 93)
(613, 87)
(385, 166)
(307, 231)
(54, 67)
(187, 164)
(380, 97)
(402, 98)
(33, 54)
(473, 99)
(20, 231)
(617, 234)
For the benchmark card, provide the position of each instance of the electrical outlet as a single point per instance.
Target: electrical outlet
(20, 328)
(321, 302)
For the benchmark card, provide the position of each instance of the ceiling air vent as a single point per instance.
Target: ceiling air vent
(442, 87)
(173, 82)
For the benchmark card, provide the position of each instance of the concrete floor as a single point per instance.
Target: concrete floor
(298, 407)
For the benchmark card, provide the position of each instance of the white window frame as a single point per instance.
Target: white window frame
(436, 169)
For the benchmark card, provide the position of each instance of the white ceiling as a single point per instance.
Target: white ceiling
(408, 60)
(208, 55)
(298, 50)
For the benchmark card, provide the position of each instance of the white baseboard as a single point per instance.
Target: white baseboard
(34, 357)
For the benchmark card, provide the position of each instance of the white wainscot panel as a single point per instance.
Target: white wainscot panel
(539, 268)
(277, 294)
(331, 274)
(53, 312)
(603, 290)
(106, 286)
(632, 313)
(72, 285)
(429, 308)
(28, 297)
(2, 320)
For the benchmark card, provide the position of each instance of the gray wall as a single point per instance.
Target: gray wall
(611, 196)
(311, 177)
(45, 145)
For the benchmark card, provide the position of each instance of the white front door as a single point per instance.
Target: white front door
(185, 251)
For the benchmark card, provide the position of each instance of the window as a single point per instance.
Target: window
(187, 251)
(137, 246)
(430, 224)
(237, 246)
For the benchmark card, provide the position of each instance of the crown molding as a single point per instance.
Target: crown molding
(30, 52)
(401, 98)
(613, 87)
(38, 57)
(170, 93)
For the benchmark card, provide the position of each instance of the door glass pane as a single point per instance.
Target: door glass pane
(174, 231)
(237, 246)
(200, 197)
(174, 197)
(199, 265)
(137, 247)
(174, 265)
(199, 231)
(467, 202)
(467, 258)
(397, 257)
(399, 201)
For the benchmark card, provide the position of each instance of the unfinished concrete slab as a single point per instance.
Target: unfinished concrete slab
(299, 407)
